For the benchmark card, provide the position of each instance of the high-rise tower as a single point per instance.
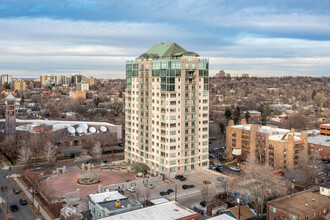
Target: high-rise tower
(167, 110)
(10, 117)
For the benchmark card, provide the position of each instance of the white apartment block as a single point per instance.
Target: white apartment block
(167, 110)
(83, 86)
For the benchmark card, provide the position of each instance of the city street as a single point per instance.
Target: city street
(24, 212)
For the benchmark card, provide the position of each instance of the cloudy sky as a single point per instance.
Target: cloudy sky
(95, 37)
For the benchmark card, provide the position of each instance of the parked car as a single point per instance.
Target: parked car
(219, 169)
(206, 182)
(185, 186)
(130, 189)
(212, 156)
(15, 191)
(150, 186)
(120, 191)
(163, 193)
(6, 168)
(218, 164)
(203, 203)
(14, 208)
(326, 161)
(180, 177)
(169, 191)
(212, 167)
(23, 201)
(235, 168)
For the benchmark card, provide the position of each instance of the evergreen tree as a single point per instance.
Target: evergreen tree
(264, 119)
(228, 114)
(237, 115)
(247, 116)
(222, 128)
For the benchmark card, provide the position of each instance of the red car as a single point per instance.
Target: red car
(15, 191)
(279, 173)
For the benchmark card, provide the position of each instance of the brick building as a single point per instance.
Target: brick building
(325, 129)
(78, 94)
(311, 204)
(273, 146)
(319, 145)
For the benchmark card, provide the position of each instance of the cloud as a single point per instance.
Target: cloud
(253, 36)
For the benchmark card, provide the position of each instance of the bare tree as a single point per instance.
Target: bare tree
(309, 166)
(8, 146)
(261, 184)
(145, 195)
(207, 191)
(296, 121)
(24, 155)
(35, 180)
(97, 150)
(231, 184)
(49, 152)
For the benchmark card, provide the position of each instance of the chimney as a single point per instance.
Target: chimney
(230, 123)
(292, 131)
(243, 122)
(292, 188)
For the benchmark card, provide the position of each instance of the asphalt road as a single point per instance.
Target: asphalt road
(24, 212)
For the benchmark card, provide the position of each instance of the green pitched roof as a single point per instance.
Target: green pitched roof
(164, 50)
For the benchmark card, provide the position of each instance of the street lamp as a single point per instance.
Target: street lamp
(239, 206)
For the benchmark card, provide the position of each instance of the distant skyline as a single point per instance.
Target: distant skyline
(95, 38)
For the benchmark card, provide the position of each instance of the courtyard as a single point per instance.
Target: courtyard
(58, 186)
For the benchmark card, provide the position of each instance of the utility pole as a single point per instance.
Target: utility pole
(239, 206)
(176, 192)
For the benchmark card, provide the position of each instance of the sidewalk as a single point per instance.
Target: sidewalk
(36, 204)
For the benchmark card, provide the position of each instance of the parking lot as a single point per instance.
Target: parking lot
(195, 179)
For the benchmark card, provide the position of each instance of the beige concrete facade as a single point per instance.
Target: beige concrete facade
(168, 130)
(19, 85)
(273, 146)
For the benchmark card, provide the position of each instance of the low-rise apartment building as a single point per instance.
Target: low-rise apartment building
(280, 148)
(310, 204)
(325, 129)
(107, 204)
(319, 146)
(78, 94)
(164, 211)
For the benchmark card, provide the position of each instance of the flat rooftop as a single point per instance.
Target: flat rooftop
(275, 133)
(165, 211)
(106, 197)
(319, 140)
(57, 124)
(296, 203)
(311, 132)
